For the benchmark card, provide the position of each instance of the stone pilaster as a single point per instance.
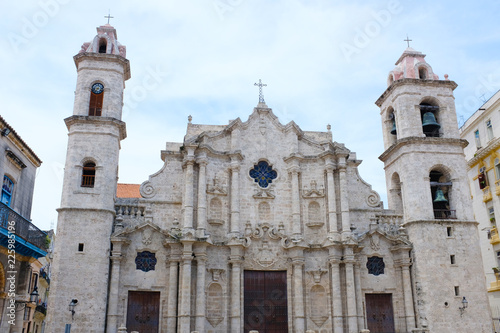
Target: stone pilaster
(359, 295)
(201, 259)
(185, 291)
(235, 195)
(332, 205)
(344, 197)
(409, 309)
(235, 312)
(202, 197)
(338, 326)
(296, 227)
(188, 189)
(351, 293)
(114, 284)
(172, 293)
(298, 297)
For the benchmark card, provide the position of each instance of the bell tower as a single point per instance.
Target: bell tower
(81, 255)
(426, 183)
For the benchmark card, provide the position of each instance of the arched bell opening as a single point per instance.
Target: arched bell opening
(103, 44)
(429, 114)
(441, 193)
(422, 73)
(390, 126)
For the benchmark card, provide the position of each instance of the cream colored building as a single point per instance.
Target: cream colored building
(482, 131)
(259, 225)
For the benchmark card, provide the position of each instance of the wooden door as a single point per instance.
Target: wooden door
(379, 313)
(265, 298)
(143, 311)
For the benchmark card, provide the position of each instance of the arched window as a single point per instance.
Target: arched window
(7, 190)
(102, 45)
(88, 175)
(429, 115)
(440, 191)
(422, 73)
(96, 97)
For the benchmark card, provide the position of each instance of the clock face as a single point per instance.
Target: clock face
(97, 88)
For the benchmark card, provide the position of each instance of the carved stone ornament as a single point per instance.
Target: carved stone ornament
(314, 191)
(263, 194)
(147, 235)
(147, 190)
(375, 242)
(316, 275)
(373, 200)
(216, 187)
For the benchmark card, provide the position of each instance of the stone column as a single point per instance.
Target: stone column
(188, 190)
(359, 295)
(408, 295)
(338, 325)
(185, 292)
(202, 197)
(235, 311)
(172, 294)
(201, 259)
(332, 204)
(235, 196)
(344, 197)
(298, 297)
(351, 293)
(296, 228)
(114, 284)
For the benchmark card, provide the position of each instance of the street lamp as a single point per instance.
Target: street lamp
(464, 306)
(33, 299)
(71, 307)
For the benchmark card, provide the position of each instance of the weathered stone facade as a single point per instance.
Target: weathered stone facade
(260, 196)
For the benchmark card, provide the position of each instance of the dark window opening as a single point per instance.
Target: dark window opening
(422, 73)
(452, 259)
(145, 261)
(457, 291)
(102, 45)
(448, 231)
(7, 189)
(80, 247)
(430, 125)
(95, 107)
(88, 175)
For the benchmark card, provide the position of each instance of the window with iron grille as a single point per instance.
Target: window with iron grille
(375, 265)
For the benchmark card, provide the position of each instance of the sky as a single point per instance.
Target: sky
(324, 62)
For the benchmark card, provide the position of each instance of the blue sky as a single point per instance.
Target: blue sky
(325, 62)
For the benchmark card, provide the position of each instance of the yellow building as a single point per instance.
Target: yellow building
(482, 131)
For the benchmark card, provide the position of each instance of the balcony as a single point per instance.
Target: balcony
(495, 239)
(30, 241)
(445, 214)
(487, 194)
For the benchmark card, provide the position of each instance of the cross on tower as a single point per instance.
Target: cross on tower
(261, 95)
(408, 40)
(109, 16)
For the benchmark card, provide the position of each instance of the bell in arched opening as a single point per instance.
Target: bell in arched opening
(393, 130)
(440, 196)
(429, 123)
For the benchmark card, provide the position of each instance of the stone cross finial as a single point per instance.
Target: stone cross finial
(109, 16)
(261, 95)
(408, 40)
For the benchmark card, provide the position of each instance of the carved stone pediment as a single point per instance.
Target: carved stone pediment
(263, 194)
(216, 187)
(314, 191)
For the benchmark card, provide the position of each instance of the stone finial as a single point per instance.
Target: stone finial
(190, 118)
(329, 127)
(122, 329)
(446, 77)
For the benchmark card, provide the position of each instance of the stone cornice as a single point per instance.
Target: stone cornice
(95, 120)
(484, 152)
(105, 57)
(402, 82)
(420, 140)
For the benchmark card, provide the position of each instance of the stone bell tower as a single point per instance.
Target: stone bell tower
(81, 254)
(426, 182)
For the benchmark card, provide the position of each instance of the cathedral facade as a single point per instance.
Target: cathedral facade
(261, 226)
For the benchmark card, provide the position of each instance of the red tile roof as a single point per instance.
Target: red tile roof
(128, 191)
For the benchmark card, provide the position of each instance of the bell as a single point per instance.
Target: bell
(440, 196)
(393, 130)
(429, 122)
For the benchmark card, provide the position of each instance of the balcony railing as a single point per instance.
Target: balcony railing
(88, 180)
(441, 214)
(495, 239)
(42, 308)
(23, 228)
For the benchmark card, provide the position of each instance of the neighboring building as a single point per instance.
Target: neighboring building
(18, 165)
(482, 131)
(258, 225)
